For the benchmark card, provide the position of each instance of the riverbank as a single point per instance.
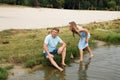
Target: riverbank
(24, 46)
(16, 44)
(103, 66)
(36, 18)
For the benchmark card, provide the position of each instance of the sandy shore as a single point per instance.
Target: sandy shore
(33, 18)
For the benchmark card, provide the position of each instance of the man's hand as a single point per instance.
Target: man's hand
(50, 55)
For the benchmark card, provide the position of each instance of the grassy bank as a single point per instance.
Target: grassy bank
(106, 31)
(26, 46)
(3, 74)
(4, 70)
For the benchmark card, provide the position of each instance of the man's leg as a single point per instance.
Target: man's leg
(63, 53)
(54, 63)
(63, 56)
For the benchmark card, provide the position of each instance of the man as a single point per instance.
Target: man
(50, 49)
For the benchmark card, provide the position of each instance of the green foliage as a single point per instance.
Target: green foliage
(60, 3)
(92, 4)
(112, 4)
(106, 36)
(58, 59)
(69, 4)
(106, 31)
(3, 74)
(32, 62)
(114, 38)
(73, 50)
(7, 66)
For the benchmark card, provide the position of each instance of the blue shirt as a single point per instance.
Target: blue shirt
(52, 42)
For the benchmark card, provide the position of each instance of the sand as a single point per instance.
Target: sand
(36, 18)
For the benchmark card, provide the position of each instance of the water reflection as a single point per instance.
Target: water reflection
(105, 65)
(83, 70)
(53, 74)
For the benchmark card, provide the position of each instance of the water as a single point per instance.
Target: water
(105, 65)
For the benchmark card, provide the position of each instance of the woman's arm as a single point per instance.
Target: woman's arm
(86, 31)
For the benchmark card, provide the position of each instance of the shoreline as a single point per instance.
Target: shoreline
(37, 18)
(20, 70)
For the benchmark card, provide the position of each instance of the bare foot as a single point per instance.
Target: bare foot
(81, 60)
(63, 64)
(78, 61)
(61, 70)
(91, 55)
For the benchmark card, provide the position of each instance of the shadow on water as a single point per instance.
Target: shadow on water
(103, 66)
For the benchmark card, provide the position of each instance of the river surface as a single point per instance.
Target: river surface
(105, 65)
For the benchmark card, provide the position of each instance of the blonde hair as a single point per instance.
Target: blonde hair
(75, 29)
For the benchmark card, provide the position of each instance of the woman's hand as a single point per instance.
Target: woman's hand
(86, 40)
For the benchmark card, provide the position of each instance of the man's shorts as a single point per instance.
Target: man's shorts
(53, 53)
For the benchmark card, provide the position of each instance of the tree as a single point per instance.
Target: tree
(112, 4)
(87, 4)
(19, 2)
(60, 3)
(1, 1)
(9, 1)
(67, 4)
(100, 4)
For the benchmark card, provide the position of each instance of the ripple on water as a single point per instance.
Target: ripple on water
(105, 65)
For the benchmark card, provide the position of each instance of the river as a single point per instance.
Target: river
(105, 65)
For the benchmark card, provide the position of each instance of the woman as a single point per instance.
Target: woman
(83, 42)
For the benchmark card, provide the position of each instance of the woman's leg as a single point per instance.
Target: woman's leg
(90, 52)
(81, 55)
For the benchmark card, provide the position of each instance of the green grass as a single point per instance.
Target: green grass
(106, 31)
(3, 74)
(26, 46)
(21, 43)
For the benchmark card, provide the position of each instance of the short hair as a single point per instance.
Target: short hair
(56, 29)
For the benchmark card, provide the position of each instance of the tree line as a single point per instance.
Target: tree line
(69, 4)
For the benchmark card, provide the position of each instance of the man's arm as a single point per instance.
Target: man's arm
(63, 44)
(46, 50)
